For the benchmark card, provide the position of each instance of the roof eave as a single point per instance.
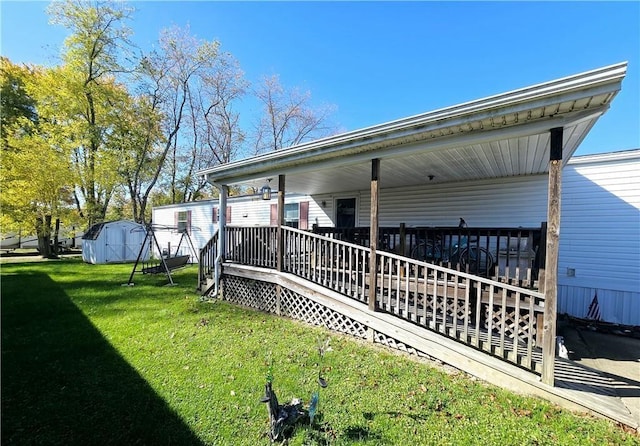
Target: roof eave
(606, 80)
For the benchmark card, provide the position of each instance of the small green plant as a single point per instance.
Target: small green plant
(283, 418)
(322, 347)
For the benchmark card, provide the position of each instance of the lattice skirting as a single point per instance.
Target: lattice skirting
(263, 296)
(381, 338)
(513, 325)
(250, 293)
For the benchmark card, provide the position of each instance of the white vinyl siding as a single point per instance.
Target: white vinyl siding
(600, 237)
(246, 211)
(506, 202)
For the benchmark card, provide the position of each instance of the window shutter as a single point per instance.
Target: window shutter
(273, 218)
(214, 214)
(304, 215)
(175, 219)
(188, 222)
(228, 214)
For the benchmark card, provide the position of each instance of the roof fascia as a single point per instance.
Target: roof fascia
(623, 155)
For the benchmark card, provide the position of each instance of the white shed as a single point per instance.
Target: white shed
(114, 242)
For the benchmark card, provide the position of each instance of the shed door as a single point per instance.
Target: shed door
(132, 242)
(114, 243)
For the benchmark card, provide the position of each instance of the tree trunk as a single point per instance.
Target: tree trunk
(56, 233)
(43, 228)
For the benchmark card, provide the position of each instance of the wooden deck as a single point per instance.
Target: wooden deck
(488, 328)
(577, 387)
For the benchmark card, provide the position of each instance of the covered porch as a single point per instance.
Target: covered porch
(453, 293)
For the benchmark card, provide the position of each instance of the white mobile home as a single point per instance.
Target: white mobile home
(113, 242)
(600, 226)
(200, 218)
(482, 161)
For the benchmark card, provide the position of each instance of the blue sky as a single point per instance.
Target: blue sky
(380, 61)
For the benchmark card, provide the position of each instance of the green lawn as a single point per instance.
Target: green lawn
(88, 361)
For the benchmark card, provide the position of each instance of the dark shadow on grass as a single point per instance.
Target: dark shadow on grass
(63, 383)
(360, 433)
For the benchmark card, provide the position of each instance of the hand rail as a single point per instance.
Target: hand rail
(209, 262)
(497, 317)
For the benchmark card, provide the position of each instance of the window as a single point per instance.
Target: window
(216, 214)
(296, 215)
(183, 221)
(292, 215)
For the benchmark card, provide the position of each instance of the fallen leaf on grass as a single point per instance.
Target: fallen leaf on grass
(521, 412)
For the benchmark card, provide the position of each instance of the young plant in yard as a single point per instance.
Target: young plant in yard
(323, 347)
(283, 418)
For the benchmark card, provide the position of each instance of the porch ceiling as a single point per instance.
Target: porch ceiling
(500, 136)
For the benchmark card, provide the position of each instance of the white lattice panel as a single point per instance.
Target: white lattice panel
(383, 339)
(250, 293)
(299, 307)
(262, 296)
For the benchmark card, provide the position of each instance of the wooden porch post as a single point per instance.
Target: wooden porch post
(551, 257)
(280, 241)
(222, 233)
(280, 235)
(373, 233)
(222, 220)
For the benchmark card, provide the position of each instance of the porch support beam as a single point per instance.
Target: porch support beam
(280, 234)
(373, 233)
(222, 236)
(551, 257)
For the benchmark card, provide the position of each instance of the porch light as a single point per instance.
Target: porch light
(266, 191)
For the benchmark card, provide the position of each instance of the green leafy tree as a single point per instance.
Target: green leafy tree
(92, 60)
(137, 137)
(35, 177)
(15, 103)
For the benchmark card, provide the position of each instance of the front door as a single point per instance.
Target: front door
(345, 212)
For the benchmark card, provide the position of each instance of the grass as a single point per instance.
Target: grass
(87, 361)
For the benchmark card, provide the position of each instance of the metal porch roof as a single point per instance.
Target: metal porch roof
(499, 136)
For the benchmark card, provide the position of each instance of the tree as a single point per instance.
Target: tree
(36, 180)
(193, 86)
(92, 56)
(137, 138)
(215, 134)
(15, 103)
(288, 117)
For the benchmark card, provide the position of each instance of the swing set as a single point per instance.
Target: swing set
(166, 263)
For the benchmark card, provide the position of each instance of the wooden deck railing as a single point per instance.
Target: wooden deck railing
(208, 262)
(496, 317)
(334, 264)
(255, 246)
(513, 254)
(499, 318)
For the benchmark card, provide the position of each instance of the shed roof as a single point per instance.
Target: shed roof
(498, 136)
